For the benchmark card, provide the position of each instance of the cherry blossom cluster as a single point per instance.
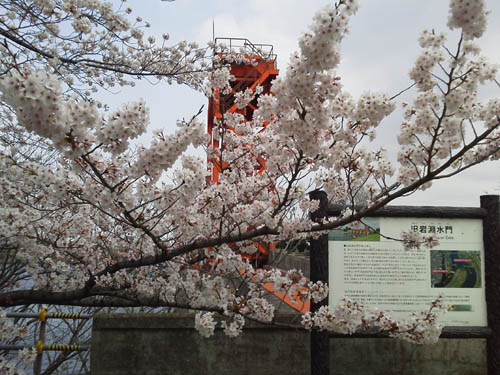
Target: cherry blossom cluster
(41, 108)
(165, 150)
(470, 16)
(235, 325)
(127, 123)
(422, 327)
(320, 46)
(242, 98)
(7, 328)
(220, 80)
(421, 73)
(414, 240)
(431, 39)
(350, 317)
(445, 118)
(91, 44)
(318, 290)
(204, 323)
(36, 96)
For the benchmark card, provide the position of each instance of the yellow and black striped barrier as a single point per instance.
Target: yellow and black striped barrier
(42, 316)
(45, 315)
(66, 348)
(68, 316)
(40, 347)
(43, 347)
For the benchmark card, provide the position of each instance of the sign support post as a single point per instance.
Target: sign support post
(320, 346)
(491, 238)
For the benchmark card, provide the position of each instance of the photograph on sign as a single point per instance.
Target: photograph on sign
(366, 230)
(455, 269)
(368, 263)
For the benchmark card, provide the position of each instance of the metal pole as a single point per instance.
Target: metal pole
(491, 239)
(37, 366)
(320, 344)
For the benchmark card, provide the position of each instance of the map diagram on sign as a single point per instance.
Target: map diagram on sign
(455, 269)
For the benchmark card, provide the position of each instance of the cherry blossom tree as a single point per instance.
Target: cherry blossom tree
(105, 223)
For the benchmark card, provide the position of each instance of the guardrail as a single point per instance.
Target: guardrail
(42, 316)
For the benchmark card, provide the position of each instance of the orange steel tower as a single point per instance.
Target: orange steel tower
(261, 73)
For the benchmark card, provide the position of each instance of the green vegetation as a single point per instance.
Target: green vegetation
(457, 279)
(476, 264)
(368, 237)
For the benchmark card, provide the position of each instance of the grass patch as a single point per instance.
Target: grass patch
(368, 237)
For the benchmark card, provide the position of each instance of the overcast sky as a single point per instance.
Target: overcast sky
(377, 55)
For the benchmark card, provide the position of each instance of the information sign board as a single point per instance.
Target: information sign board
(368, 264)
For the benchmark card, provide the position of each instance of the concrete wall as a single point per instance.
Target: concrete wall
(167, 344)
